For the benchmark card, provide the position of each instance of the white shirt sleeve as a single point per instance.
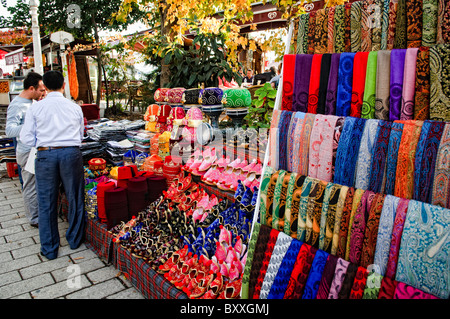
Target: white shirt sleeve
(28, 132)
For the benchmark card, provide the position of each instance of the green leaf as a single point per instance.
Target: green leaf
(272, 94)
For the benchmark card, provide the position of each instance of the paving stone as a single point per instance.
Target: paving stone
(45, 267)
(102, 274)
(60, 289)
(98, 291)
(9, 277)
(27, 285)
(18, 244)
(130, 293)
(85, 267)
(20, 263)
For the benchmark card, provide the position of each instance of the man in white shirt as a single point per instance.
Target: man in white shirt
(55, 126)
(33, 89)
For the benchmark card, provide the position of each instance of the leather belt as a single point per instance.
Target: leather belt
(51, 148)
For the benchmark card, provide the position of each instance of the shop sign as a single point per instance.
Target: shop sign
(15, 58)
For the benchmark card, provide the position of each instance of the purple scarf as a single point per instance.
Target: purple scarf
(396, 83)
(302, 75)
(330, 103)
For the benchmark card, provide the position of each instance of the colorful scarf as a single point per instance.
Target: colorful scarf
(357, 197)
(323, 82)
(426, 153)
(327, 277)
(396, 83)
(379, 157)
(324, 214)
(404, 291)
(308, 185)
(303, 154)
(292, 138)
(330, 26)
(292, 204)
(400, 26)
(311, 32)
(440, 82)
(359, 283)
(313, 213)
(331, 92)
(283, 128)
(279, 200)
(266, 177)
(422, 88)
(376, 24)
(373, 284)
(382, 85)
(344, 223)
(315, 275)
(302, 76)
(366, 25)
(445, 25)
(423, 259)
(364, 161)
(338, 279)
(339, 29)
(345, 83)
(337, 135)
(441, 184)
(347, 283)
(270, 197)
(328, 216)
(348, 27)
(393, 4)
(368, 105)
(387, 288)
(302, 265)
(314, 83)
(273, 138)
(392, 157)
(384, 25)
(409, 83)
(430, 18)
(359, 81)
(302, 35)
(414, 12)
(321, 33)
(337, 219)
(249, 260)
(355, 16)
(288, 81)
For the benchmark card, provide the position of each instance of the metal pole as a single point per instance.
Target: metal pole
(37, 51)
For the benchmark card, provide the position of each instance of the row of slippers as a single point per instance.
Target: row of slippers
(222, 172)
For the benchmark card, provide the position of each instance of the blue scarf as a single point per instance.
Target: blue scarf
(391, 161)
(379, 155)
(315, 275)
(345, 82)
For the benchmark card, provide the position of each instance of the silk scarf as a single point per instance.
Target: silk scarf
(337, 219)
(359, 81)
(265, 180)
(283, 127)
(409, 83)
(368, 105)
(270, 197)
(331, 93)
(302, 76)
(339, 29)
(440, 82)
(311, 32)
(387, 288)
(279, 200)
(364, 160)
(423, 260)
(323, 215)
(249, 260)
(400, 26)
(366, 25)
(314, 210)
(292, 138)
(422, 88)
(348, 27)
(429, 28)
(379, 156)
(404, 291)
(373, 284)
(300, 272)
(338, 279)
(303, 154)
(289, 69)
(315, 275)
(327, 277)
(308, 185)
(328, 217)
(292, 204)
(445, 25)
(357, 197)
(345, 83)
(344, 223)
(273, 138)
(384, 25)
(321, 33)
(297, 135)
(347, 283)
(393, 4)
(382, 85)
(359, 283)
(441, 180)
(337, 135)
(323, 82)
(314, 83)
(414, 14)
(396, 83)
(391, 161)
(285, 222)
(355, 35)
(330, 31)
(302, 35)
(376, 23)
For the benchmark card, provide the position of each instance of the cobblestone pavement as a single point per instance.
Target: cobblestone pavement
(25, 274)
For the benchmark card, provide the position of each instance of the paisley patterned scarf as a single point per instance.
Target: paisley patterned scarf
(423, 259)
(441, 184)
(364, 160)
(359, 81)
(359, 283)
(311, 32)
(384, 25)
(368, 105)
(339, 29)
(288, 81)
(376, 23)
(300, 272)
(344, 223)
(314, 210)
(337, 135)
(270, 197)
(321, 37)
(249, 260)
(292, 138)
(337, 219)
(396, 83)
(345, 83)
(327, 277)
(355, 205)
(373, 284)
(279, 200)
(273, 138)
(366, 25)
(440, 82)
(323, 82)
(347, 284)
(393, 4)
(330, 25)
(348, 27)
(304, 144)
(314, 83)
(283, 127)
(404, 291)
(414, 12)
(315, 275)
(379, 156)
(302, 76)
(266, 177)
(331, 94)
(302, 35)
(409, 83)
(422, 88)
(308, 185)
(355, 16)
(430, 15)
(291, 212)
(338, 279)
(328, 216)
(387, 288)
(400, 26)
(392, 157)
(382, 85)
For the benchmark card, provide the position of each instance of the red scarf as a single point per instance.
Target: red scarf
(359, 81)
(288, 81)
(314, 84)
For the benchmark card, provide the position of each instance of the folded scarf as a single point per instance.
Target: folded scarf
(423, 259)
(440, 82)
(345, 83)
(279, 200)
(302, 77)
(288, 81)
(414, 13)
(291, 216)
(308, 185)
(315, 275)
(331, 93)
(273, 138)
(404, 291)
(313, 213)
(279, 251)
(379, 157)
(445, 25)
(330, 31)
(359, 283)
(368, 105)
(314, 83)
(441, 180)
(364, 161)
(376, 24)
(382, 85)
(366, 25)
(396, 237)
(393, 5)
(292, 138)
(339, 29)
(359, 81)
(396, 83)
(392, 157)
(384, 24)
(400, 26)
(338, 279)
(249, 260)
(303, 155)
(409, 83)
(387, 288)
(328, 216)
(321, 33)
(300, 272)
(265, 181)
(357, 197)
(281, 280)
(302, 35)
(426, 153)
(337, 219)
(283, 127)
(336, 137)
(270, 197)
(323, 82)
(373, 284)
(324, 213)
(355, 35)
(429, 28)
(327, 277)
(347, 283)
(348, 27)
(344, 223)
(311, 32)
(422, 87)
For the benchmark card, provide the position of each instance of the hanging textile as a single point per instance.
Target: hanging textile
(423, 259)
(414, 13)
(321, 37)
(344, 224)
(404, 291)
(279, 200)
(302, 35)
(249, 260)
(387, 288)
(384, 235)
(338, 279)
(441, 180)
(339, 29)
(323, 83)
(355, 16)
(368, 105)
(270, 197)
(330, 218)
(440, 82)
(364, 156)
(392, 157)
(426, 153)
(303, 155)
(445, 25)
(384, 24)
(301, 82)
(382, 85)
(300, 272)
(359, 80)
(337, 219)
(375, 20)
(313, 212)
(292, 138)
(400, 26)
(396, 83)
(336, 137)
(330, 31)
(355, 205)
(379, 156)
(311, 32)
(327, 277)
(331, 93)
(329, 189)
(348, 27)
(409, 84)
(345, 83)
(373, 284)
(314, 83)
(440, 21)
(366, 25)
(283, 126)
(273, 138)
(359, 283)
(291, 216)
(422, 87)
(308, 185)
(73, 79)
(315, 275)
(393, 5)
(297, 135)
(430, 15)
(288, 81)
(265, 181)
(347, 283)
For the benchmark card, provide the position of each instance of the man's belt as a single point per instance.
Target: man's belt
(51, 148)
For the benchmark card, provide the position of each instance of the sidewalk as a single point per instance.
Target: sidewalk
(25, 274)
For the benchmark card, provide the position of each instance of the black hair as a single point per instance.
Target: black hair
(53, 80)
(32, 80)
